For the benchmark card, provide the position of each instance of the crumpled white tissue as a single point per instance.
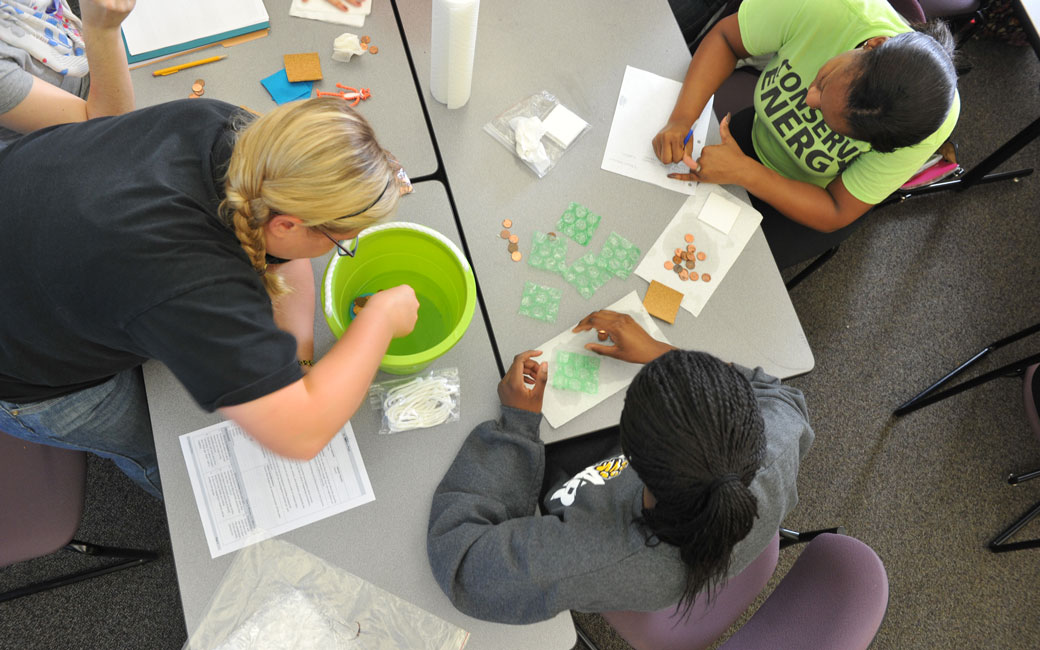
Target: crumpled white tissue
(528, 132)
(345, 46)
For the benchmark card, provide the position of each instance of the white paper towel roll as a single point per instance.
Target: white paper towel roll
(452, 46)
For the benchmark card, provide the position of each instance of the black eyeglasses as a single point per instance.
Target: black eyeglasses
(347, 247)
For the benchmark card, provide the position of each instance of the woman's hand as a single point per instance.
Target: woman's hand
(723, 163)
(105, 14)
(631, 342)
(668, 143)
(513, 390)
(399, 305)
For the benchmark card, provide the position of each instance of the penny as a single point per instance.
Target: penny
(688, 238)
(684, 256)
(669, 265)
(517, 256)
(366, 39)
(507, 223)
(678, 269)
(690, 264)
(706, 277)
(193, 96)
(504, 234)
(197, 87)
(683, 275)
(514, 239)
(602, 335)
(552, 235)
(677, 260)
(690, 248)
(372, 49)
(693, 276)
(513, 247)
(201, 82)
(702, 256)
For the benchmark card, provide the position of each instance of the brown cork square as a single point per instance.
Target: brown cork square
(302, 67)
(662, 301)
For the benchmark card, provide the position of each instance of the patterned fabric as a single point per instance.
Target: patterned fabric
(50, 32)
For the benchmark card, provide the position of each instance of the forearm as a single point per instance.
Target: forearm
(300, 419)
(712, 63)
(810, 205)
(294, 312)
(111, 92)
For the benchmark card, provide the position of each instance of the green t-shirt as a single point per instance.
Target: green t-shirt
(791, 138)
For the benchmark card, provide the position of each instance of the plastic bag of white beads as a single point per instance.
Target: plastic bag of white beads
(419, 402)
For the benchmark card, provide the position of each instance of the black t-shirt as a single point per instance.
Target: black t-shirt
(112, 253)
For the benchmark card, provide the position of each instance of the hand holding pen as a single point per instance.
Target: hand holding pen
(673, 141)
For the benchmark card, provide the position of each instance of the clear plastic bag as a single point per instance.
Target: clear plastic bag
(556, 141)
(276, 596)
(420, 402)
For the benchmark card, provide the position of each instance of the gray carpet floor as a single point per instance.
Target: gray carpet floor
(921, 287)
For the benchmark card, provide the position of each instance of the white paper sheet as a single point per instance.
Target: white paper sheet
(325, 12)
(561, 406)
(246, 493)
(154, 25)
(643, 107)
(721, 248)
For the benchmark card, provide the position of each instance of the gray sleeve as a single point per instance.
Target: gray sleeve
(15, 83)
(483, 523)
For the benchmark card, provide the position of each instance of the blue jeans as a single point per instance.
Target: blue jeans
(110, 420)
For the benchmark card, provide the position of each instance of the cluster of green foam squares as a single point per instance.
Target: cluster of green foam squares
(540, 303)
(577, 372)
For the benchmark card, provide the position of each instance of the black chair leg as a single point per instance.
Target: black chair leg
(813, 266)
(1000, 544)
(1015, 479)
(790, 537)
(930, 395)
(125, 558)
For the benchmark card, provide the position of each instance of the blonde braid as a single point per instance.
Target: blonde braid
(248, 217)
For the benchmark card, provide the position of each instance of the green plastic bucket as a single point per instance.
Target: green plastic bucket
(405, 253)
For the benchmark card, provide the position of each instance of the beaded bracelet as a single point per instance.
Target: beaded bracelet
(306, 362)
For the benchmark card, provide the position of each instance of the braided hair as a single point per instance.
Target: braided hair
(692, 431)
(904, 88)
(316, 160)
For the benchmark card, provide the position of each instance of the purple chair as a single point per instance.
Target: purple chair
(833, 598)
(667, 630)
(41, 503)
(1031, 397)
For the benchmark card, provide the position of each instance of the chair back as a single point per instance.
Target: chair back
(41, 498)
(666, 629)
(833, 598)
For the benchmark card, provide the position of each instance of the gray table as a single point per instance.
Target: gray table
(394, 108)
(383, 541)
(578, 51)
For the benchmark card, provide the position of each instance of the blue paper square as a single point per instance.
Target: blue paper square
(282, 91)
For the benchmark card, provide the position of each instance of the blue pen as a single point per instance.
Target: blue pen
(686, 140)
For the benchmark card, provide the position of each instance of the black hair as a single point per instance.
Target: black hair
(692, 431)
(904, 88)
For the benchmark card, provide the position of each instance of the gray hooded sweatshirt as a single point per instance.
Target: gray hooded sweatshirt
(497, 559)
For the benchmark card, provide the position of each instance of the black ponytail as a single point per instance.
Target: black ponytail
(692, 431)
(904, 89)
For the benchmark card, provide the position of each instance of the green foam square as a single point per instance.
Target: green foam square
(619, 256)
(540, 303)
(578, 223)
(586, 275)
(576, 372)
(548, 253)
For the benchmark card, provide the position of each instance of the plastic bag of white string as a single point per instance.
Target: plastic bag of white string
(276, 596)
(426, 400)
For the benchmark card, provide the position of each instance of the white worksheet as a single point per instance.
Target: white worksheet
(246, 493)
(561, 406)
(644, 105)
(721, 225)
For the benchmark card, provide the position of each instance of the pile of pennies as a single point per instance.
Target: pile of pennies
(198, 89)
(366, 42)
(514, 241)
(685, 260)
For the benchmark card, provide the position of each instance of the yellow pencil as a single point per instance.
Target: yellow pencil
(183, 66)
